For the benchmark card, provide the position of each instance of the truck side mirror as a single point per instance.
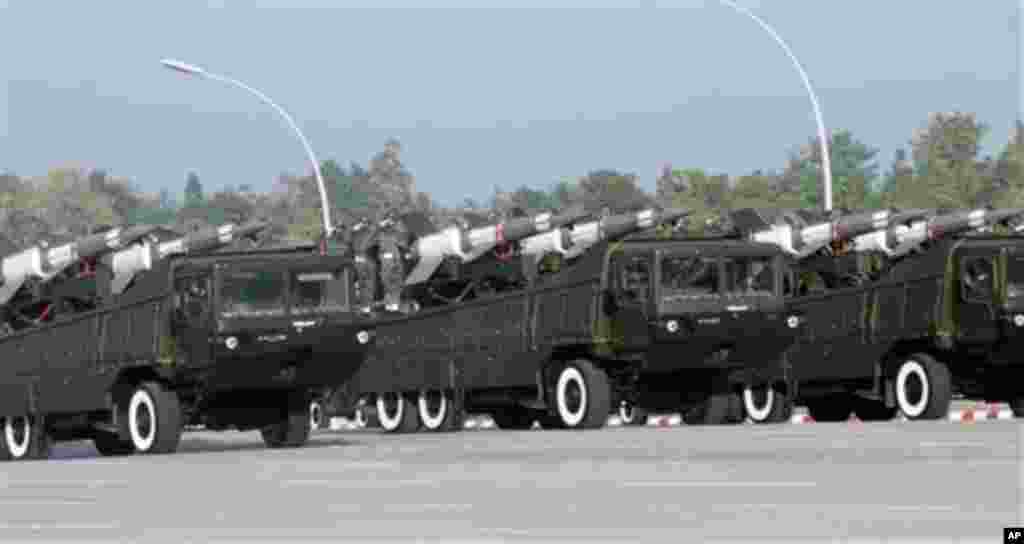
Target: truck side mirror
(609, 302)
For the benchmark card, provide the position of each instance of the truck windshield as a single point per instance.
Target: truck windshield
(689, 275)
(252, 293)
(319, 291)
(749, 275)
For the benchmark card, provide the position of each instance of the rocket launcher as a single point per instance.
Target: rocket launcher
(45, 264)
(899, 240)
(428, 252)
(803, 241)
(571, 243)
(127, 263)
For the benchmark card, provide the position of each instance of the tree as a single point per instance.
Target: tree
(613, 190)
(945, 154)
(393, 186)
(193, 191)
(703, 195)
(854, 171)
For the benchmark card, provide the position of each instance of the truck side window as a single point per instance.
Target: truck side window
(192, 299)
(976, 280)
(749, 275)
(636, 279)
(319, 291)
(690, 275)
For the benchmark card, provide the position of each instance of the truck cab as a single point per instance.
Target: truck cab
(711, 306)
(261, 322)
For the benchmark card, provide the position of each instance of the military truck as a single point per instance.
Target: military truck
(184, 336)
(909, 317)
(573, 324)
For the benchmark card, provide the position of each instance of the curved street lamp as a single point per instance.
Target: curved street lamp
(822, 135)
(197, 71)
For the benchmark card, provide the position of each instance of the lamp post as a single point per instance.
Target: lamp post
(197, 71)
(822, 134)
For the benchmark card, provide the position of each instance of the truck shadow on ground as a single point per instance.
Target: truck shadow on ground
(192, 445)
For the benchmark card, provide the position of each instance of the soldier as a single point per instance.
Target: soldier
(366, 266)
(391, 245)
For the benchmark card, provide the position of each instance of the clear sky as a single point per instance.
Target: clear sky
(482, 97)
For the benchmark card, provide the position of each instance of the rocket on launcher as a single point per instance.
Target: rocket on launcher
(899, 240)
(45, 264)
(571, 243)
(428, 252)
(127, 263)
(801, 242)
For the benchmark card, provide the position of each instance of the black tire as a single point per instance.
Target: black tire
(830, 409)
(583, 396)
(396, 413)
(1017, 406)
(874, 410)
(767, 404)
(436, 416)
(24, 438)
(724, 408)
(110, 444)
(292, 432)
(924, 387)
(632, 415)
(154, 419)
(514, 418)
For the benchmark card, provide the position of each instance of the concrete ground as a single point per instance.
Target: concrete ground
(927, 482)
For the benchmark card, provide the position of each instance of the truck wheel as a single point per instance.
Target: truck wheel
(1017, 407)
(582, 396)
(25, 438)
(874, 410)
(924, 388)
(766, 404)
(110, 444)
(396, 413)
(360, 418)
(514, 418)
(316, 416)
(436, 411)
(717, 409)
(632, 415)
(154, 419)
(292, 432)
(830, 409)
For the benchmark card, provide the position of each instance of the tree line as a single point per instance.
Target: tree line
(940, 167)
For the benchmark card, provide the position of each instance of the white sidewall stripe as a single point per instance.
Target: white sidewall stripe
(432, 421)
(17, 450)
(386, 422)
(908, 369)
(569, 375)
(142, 398)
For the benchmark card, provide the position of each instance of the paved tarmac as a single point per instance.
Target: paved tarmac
(926, 482)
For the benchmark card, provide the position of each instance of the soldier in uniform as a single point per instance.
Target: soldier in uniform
(391, 242)
(366, 267)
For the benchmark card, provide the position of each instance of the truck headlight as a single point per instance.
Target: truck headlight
(362, 337)
(672, 326)
(231, 342)
(1018, 320)
(793, 321)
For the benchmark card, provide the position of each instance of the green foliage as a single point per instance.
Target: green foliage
(941, 169)
(854, 172)
(193, 190)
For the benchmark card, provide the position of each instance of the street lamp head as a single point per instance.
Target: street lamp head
(183, 67)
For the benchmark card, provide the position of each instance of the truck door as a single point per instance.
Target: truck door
(976, 316)
(629, 292)
(193, 316)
